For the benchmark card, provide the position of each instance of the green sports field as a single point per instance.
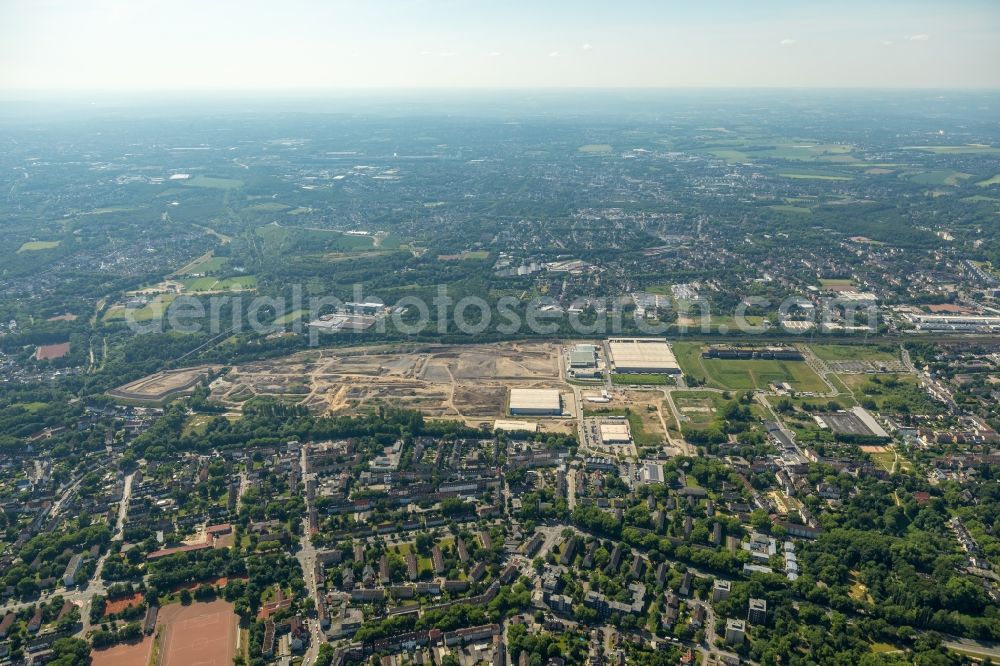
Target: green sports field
(741, 375)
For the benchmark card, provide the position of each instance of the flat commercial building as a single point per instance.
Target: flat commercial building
(535, 401)
(651, 473)
(615, 433)
(343, 322)
(958, 323)
(583, 356)
(642, 355)
(858, 421)
(515, 426)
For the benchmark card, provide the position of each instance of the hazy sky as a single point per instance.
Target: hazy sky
(287, 44)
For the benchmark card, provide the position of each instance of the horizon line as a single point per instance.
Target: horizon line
(476, 89)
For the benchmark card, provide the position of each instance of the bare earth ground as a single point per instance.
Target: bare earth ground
(130, 654)
(467, 382)
(639, 402)
(202, 634)
(159, 385)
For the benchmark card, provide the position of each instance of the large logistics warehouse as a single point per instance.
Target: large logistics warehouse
(640, 355)
(535, 401)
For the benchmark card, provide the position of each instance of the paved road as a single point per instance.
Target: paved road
(991, 650)
(307, 560)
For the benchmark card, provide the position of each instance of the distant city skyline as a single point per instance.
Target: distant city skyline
(312, 44)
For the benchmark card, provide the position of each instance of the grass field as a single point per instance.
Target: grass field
(283, 240)
(731, 322)
(795, 210)
(699, 407)
(641, 380)
(758, 374)
(154, 309)
(477, 255)
(740, 375)
(239, 283)
(214, 183)
(640, 435)
(853, 353)
(290, 317)
(31, 407)
(596, 148)
(813, 176)
(893, 393)
(836, 282)
(196, 424)
(206, 265)
(972, 149)
(109, 209)
(884, 648)
(34, 246)
(940, 177)
(269, 207)
(995, 180)
(800, 151)
(806, 152)
(890, 462)
(730, 155)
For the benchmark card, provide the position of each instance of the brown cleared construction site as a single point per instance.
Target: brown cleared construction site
(470, 382)
(162, 386)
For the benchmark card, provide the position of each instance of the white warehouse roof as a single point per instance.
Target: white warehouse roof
(615, 433)
(535, 400)
(643, 355)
